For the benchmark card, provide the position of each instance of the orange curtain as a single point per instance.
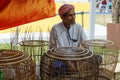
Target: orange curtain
(18, 12)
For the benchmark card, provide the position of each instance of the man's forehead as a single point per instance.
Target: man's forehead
(65, 9)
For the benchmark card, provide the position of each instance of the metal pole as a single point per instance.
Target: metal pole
(82, 13)
(92, 19)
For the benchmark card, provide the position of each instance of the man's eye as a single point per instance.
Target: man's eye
(71, 14)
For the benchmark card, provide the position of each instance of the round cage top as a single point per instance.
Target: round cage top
(69, 53)
(97, 42)
(33, 43)
(9, 57)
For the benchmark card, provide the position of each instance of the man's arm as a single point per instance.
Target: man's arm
(52, 42)
(82, 37)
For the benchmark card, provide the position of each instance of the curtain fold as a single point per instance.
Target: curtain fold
(18, 12)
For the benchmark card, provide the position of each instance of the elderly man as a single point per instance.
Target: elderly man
(67, 33)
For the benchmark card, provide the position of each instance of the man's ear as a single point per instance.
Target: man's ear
(61, 17)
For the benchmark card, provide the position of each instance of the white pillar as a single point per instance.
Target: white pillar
(92, 19)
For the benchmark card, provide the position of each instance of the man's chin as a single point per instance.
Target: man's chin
(73, 23)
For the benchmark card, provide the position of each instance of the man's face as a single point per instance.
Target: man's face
(69, 18)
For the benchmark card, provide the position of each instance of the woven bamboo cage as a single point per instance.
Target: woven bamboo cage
(69, 63)
(108, 54)
(35, 48)
(16, 65)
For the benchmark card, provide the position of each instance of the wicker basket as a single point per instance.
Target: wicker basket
(16, 65)
(109, 56)
(69, 63)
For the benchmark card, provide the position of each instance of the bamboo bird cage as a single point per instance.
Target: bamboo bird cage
(109, 56)
(69, 63)
(16, 65)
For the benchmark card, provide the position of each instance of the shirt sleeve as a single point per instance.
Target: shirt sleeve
(52, 42)
(83, 35)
